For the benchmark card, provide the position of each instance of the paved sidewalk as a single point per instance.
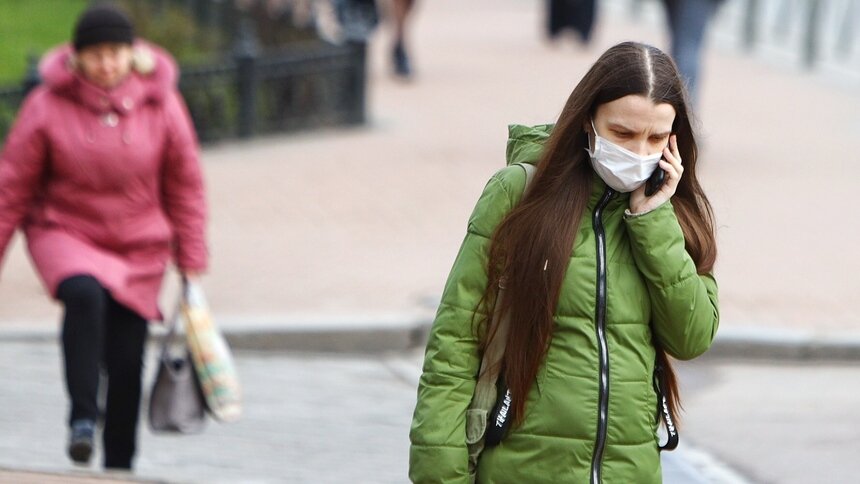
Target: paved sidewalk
(326, 418)
(72, 477)
(775, 422)
(308, 418)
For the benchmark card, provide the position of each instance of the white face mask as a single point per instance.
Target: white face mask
(621, 169)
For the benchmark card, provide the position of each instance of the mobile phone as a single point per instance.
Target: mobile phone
(655, 181)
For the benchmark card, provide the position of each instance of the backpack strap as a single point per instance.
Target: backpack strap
(492, 358)
(486, 389)
(530, 174)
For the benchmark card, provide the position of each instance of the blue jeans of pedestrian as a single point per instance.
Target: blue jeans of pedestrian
(688, 22)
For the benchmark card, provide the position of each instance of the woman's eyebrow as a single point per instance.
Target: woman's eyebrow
(619, 127)
(615, 126)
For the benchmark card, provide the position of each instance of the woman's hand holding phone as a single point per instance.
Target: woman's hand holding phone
(671, 165)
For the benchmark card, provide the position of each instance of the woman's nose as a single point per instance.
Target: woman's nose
(642, 148)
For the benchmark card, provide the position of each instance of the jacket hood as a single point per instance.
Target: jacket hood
(525, 143)
(154, 74)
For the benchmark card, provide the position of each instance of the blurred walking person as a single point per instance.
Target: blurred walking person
(688, 24)
(401, 11)
(101, 172)
(576, 15)
(355, 20)
(587, 278)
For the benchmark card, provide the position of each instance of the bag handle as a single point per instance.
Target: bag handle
(184, 296)
(173, 321)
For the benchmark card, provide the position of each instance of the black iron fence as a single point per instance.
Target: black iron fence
(10, 101)
(248, 92)
(304, 86)
(276, 22)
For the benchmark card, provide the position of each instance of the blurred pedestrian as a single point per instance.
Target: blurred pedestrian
(590, 279)
(688, 24)
(576, 15)
(401, 11)
(355, 20)
(101, 172)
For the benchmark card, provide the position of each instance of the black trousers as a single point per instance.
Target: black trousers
(100, 333)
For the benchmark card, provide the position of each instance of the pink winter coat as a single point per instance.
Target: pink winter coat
(106, 183)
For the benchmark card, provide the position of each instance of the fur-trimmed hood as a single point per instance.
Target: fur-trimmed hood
(154, 74)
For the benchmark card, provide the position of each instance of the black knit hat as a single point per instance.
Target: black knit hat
(102, 23)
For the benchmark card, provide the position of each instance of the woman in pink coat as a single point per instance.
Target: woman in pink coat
(101, 172)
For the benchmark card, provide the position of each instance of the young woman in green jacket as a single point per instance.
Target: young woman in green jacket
(603, 282)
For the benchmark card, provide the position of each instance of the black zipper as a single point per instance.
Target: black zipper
(600, 323)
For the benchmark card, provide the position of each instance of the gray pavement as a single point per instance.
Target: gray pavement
(775, 422)
(312, 417)
(307, 418)
(321, 418)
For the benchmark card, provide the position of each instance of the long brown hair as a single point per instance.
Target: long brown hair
(540, 231)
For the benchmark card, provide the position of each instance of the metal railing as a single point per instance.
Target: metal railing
(275, 22)
(249, 92)
(10, 100)
(307, 86)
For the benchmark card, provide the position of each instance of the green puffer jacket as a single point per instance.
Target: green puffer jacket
(650, 279)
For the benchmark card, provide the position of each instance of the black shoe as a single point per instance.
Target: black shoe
(81, 438)
(401, 61)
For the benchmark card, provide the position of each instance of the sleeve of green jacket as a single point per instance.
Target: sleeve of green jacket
(684, 308)
(438, 435)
